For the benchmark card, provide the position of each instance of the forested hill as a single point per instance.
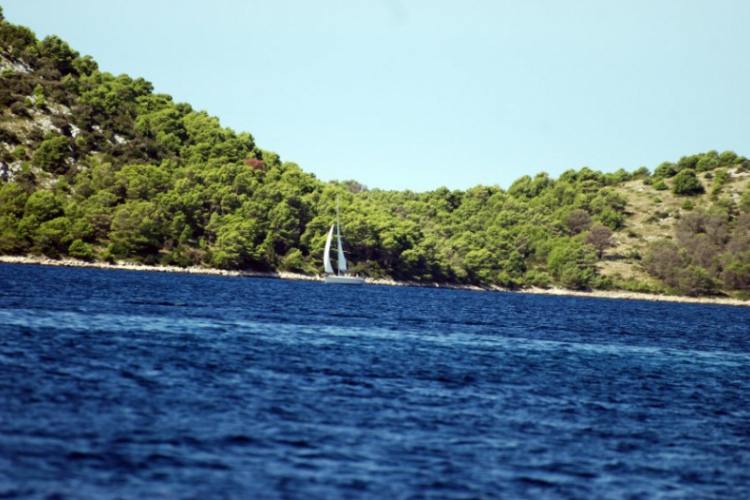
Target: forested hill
(99, 167)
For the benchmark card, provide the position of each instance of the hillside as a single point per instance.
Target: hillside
(710, 230)
(98, 167)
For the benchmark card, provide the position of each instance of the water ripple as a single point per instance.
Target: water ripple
(136, 385)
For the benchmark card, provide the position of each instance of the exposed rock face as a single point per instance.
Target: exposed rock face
(13, 65)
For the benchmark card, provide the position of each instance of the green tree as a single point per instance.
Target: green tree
(12, 240)
(85, 66)
(53, 237)
(481, 265)
(43, 205)
(136, 230)
(58, 53)
(571, 264)
(53, 154)
(238, 244)
(12, 199)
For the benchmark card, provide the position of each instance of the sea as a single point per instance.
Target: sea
(143, 385)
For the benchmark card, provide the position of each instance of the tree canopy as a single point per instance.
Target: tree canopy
(100, 167)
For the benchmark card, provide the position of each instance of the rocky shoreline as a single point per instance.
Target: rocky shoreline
(602, 294)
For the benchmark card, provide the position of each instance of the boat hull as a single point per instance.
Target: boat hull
(345, 280)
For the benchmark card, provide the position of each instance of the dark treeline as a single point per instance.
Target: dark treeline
(99, 167)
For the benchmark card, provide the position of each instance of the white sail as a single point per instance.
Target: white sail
(340, 277)
(327, 253)
(342, 259)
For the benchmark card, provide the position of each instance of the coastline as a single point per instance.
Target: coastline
(600, 294)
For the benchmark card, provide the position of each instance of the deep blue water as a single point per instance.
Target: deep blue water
(117, 384)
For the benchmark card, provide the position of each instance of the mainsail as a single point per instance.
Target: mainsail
(342, 259)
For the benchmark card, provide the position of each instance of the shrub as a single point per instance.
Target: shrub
(688, 162)
(603, 283)
(663, 261)
(578, 220)
(35, 135)
(19, 153)
(686, 183)
(19, 109)
(8, 136)
(666, 169)
(638, 286)
(6, 98)
(722, 177)
(707, 163)
(294, 261)
(727, 157)
(695, 281)
(5, 157)
(634, 254)
(106, 255)
(660, 185)
(537, 279)
(744, 204)
(641, 172)
(175, 258)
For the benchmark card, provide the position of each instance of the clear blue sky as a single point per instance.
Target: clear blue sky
(418, 94)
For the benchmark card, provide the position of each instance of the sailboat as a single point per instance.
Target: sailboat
(338, 277)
